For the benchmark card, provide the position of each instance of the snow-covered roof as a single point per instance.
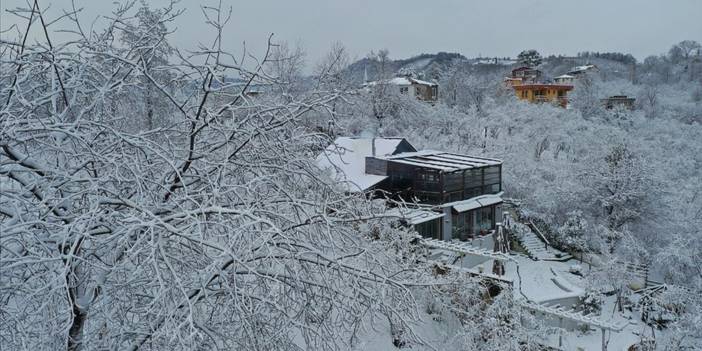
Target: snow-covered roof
(403, 81)
(443, 161)
(413, 215)
(564, 76)
(422, 82)
(583, 68)
(346, 160)
(400, 81)
(476, 202)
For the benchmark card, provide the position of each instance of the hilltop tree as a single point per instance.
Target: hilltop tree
(530, 58)
(684, 50)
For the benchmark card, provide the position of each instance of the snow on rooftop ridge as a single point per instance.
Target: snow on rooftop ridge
(401, 81)
(423, 82)
(443, 161)
(583, 68)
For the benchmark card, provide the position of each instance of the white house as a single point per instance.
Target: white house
(422, 90)
(564, 79)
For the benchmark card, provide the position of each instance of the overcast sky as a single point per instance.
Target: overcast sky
(410, 27)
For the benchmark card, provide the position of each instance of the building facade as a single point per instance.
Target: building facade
(542, 92)
(451, 196)
(619, 101)
(564, 79)
(420, 89)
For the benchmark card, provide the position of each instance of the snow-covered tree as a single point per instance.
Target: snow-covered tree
(215, 230)
(573, 233)
(621, 183)
(530, 58)
(146, 43)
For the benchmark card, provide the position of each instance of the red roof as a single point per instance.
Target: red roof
(543, 86)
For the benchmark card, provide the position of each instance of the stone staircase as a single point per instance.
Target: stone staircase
(535, 245)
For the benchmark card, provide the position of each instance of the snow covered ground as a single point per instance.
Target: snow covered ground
(552, 284)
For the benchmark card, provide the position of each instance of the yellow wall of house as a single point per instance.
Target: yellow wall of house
(530, 94)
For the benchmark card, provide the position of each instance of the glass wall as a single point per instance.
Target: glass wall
(427, 180)
(462, 225)
(475, 182)
(429, 229)
(470, 224)
(485, 219)
(491, 180)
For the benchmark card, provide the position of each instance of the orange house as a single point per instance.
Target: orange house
(539, 92)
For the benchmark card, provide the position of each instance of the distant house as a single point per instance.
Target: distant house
(527, 73)
(452, 196)
(422, 90)
(541, 92)
(578, 70)
(622, 101)
(523, 75)
(510, 81)
(564, 79)
(494, 61)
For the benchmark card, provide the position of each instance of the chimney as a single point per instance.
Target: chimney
(373, 146)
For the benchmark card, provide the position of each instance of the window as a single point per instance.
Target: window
(474, 178)
(485, 218)
(453, 181)
(427, 197)
(492, 189)
(453, 196)
(473, 192)
(430, 229)
(429, 177)
(492, 180)
(404, 90)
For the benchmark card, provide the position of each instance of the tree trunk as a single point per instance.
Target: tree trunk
(75, 333)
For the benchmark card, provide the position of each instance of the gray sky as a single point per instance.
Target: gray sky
(410, 27)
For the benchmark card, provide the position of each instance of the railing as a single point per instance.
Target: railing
(543, 98)
(538, 233)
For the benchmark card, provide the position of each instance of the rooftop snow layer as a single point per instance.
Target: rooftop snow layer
(476, 202)
(346, 160)
(443, 161)
(413, 215)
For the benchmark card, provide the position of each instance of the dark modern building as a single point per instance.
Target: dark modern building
(465, 189)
